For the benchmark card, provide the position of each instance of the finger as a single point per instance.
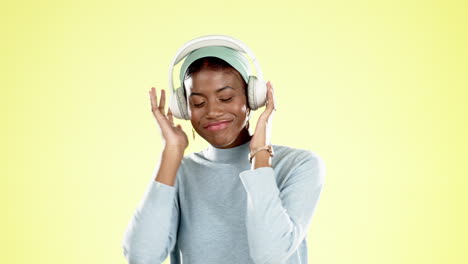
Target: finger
(273, 100)
(162, 102)
(169, 115)
(162, 121)
(270, 98)
(153, 98)
(154, 104)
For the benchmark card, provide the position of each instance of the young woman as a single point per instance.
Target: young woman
(217, 205)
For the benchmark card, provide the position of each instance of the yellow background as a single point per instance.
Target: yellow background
(378, 89)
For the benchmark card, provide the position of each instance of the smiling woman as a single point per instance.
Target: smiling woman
(218, 105)
(236, 201)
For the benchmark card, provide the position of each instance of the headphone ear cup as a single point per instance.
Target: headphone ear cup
(178, 104)
(257, 92)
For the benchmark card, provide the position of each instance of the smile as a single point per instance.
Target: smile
(219, 126)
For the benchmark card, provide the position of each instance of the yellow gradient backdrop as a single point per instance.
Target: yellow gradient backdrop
(378, 89)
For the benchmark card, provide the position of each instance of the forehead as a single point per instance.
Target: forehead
(212, 81)
(207, 76)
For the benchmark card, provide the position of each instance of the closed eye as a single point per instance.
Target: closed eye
(224, 100)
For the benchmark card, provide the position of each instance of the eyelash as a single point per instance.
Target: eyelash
(224, 100)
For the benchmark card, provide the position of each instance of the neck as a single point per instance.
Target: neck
(237, 154)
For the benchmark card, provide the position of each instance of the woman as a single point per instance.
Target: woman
(216, 205)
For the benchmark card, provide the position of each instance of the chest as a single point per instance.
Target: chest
(213, 193)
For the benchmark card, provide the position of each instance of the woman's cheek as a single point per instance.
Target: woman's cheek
(195, 115)
(240, 109)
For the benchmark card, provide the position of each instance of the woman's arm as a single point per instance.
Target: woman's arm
(170, 162)
(278, 218)
(262, 132)
(152, 232)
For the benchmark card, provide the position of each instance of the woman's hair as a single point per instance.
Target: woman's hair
(212, 63)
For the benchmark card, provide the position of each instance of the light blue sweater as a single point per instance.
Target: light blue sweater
(220, 211)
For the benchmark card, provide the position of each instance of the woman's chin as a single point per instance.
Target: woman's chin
(221, 141)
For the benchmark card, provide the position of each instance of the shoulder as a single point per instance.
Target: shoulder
(299, 161)
(296, 154)
(193, 159)
(193, 162)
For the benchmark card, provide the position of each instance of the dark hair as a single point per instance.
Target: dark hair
(212, 63)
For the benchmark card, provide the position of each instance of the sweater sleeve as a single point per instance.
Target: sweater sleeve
(152, 232)
(277, 219)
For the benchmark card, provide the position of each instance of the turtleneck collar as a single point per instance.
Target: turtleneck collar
(230, 155)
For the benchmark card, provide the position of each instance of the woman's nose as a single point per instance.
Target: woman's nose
(214, 109)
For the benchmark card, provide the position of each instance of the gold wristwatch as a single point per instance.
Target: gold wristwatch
(269, 148)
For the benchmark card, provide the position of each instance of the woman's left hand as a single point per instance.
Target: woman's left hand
(262, 134)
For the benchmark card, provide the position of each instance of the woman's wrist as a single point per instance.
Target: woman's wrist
(261, 159)
(260, 156)
(174, 151)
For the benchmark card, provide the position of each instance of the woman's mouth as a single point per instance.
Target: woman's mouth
(219, 126)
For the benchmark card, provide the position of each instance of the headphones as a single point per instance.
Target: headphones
(256, 87)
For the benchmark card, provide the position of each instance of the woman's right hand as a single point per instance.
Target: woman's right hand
(173, 135)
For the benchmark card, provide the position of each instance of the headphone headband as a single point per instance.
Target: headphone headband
(211, 40)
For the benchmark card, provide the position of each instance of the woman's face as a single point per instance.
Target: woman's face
(215, 96)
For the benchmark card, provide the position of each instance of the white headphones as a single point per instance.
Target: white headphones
(256, 88)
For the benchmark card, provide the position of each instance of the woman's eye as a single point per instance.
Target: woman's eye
(224, 100)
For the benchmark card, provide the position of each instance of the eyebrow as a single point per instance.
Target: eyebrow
(217, 91)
